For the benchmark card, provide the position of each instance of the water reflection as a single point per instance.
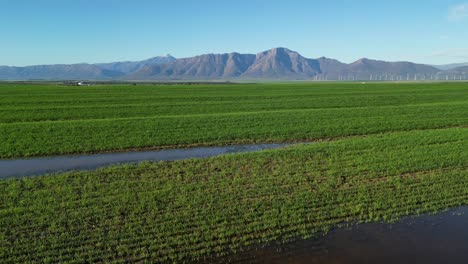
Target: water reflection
(38, 166)
(441, 238)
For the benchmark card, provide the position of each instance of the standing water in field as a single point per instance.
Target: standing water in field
(44, 165)
(439, 238)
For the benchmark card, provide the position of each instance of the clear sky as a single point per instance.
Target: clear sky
(73, 31)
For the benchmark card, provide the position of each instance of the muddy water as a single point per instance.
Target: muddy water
(38, 166)
(441, 238)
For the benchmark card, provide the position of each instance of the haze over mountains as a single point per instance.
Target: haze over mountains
(450, 66)
(274, 64)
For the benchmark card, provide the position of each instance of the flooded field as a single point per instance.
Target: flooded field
(439, 238)
(38, 166)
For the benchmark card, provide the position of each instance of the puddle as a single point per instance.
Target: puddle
(440, 238)
(43, 165)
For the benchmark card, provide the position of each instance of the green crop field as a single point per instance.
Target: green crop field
(40, 120)
(381, 151)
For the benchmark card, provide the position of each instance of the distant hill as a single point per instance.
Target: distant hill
(366, 69)
(463, 69)
(57, 72)
(274, 64)
(209, 66)
(281, 63)
(131, 66)
(332, 67)
(450, 66)
(98, 71)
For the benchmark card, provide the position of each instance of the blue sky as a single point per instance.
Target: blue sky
(73, 31)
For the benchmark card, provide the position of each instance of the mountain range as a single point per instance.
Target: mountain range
(274, 64)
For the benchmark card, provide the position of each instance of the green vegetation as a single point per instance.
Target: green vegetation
(40, 120)
(187, 210)
(397, 149)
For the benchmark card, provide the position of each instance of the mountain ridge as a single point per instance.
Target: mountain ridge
(274, 64)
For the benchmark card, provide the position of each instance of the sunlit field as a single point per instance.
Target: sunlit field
(38, 120)
(373, 152)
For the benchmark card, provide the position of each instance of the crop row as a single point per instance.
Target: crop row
(44, 138)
